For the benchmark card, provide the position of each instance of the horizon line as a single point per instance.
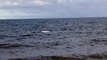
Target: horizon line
(49, 18)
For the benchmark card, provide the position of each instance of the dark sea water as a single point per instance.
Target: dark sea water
(25, 37)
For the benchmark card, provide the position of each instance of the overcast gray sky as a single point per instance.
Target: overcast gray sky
(52, 8)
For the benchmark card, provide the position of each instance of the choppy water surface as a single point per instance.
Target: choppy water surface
(52, 37)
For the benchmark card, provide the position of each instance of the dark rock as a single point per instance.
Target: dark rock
(50, 58)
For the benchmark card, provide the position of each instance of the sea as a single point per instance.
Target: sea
(23, 38)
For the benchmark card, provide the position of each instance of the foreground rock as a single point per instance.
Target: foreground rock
(97, 56)
(49, 58)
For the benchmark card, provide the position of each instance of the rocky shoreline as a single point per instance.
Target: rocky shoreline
(89, 57)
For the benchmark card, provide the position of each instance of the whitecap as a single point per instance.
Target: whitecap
(45, 31)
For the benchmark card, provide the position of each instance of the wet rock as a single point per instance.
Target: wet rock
(97, 56)
(49, 58)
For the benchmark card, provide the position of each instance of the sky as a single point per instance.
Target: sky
(52, 8)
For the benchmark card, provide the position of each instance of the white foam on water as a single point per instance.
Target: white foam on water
(45, 31)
